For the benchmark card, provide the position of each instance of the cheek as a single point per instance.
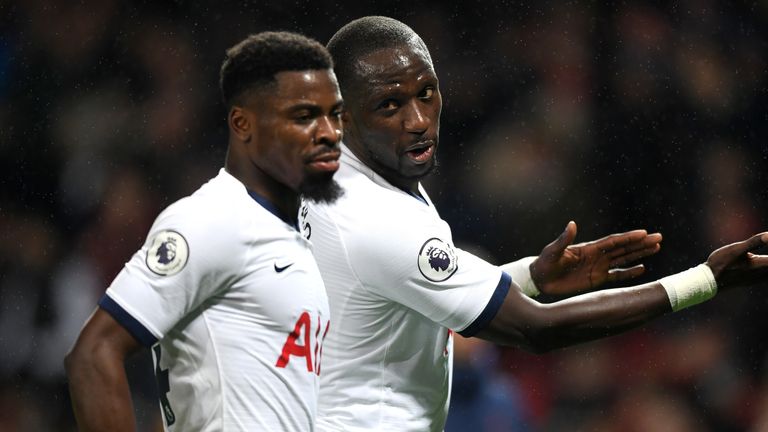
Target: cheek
(384, 147)
(283, 158)
(291, 160)
(384, 139)
(436, 113)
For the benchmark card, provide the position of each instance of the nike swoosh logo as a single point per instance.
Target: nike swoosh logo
(280, 269)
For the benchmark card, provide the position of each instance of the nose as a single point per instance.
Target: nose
(416, 120)
(328, 131)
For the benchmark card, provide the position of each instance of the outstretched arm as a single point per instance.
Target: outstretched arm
(101, 397)
(564, 268)
(542, 327)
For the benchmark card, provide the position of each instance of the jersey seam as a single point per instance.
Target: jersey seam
(382, 390)
(345, 252)
(215, 348)
(212, 334)
(220, 371)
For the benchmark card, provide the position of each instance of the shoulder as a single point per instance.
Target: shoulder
(216, 214)
(195, 215)
(371, 201)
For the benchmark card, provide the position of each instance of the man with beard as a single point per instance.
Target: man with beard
(236, 315)
(398, 287)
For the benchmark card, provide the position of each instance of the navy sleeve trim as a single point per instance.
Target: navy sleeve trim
(491, 309)
(135, 328)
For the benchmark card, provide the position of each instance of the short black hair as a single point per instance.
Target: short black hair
(254, 61)
(363, 36)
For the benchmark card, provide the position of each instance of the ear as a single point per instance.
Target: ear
(240, 123)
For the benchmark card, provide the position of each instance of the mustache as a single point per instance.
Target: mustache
(322, 150)
(421, 144)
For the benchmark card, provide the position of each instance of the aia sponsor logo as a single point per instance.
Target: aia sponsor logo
(299, 344)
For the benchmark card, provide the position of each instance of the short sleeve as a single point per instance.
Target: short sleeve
(419, 267)
(184, 261)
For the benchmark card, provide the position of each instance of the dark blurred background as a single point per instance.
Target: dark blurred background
(618, 115)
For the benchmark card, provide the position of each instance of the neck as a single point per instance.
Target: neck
(391, 176)
(285, 199)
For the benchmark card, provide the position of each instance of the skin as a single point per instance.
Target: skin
(392, 124)
(392, 121)
(282, 136)
(563, 268)
(285, 134)
(394, 102)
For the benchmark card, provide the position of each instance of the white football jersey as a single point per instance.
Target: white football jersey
(230, 299)
(397, 287)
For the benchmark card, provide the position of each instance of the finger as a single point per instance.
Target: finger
(620, 239)
(743, 247)
(615, 241)
(737, 254)
(635, 255)
(757, 241)
(562, 241)
(650, 241)
(757, 261)
(619, 274)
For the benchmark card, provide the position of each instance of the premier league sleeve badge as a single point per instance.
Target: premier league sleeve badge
(168, 253)
(437, 260)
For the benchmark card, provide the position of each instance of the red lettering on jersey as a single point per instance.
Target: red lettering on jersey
(317, 340)
(319, 357)
(290, 348)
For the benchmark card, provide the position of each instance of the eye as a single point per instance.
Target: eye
(303, 117)
(389, 105)
(427, 93)
(336, 116)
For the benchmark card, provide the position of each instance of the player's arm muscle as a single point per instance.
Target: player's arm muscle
(542, 327)
(101, 397)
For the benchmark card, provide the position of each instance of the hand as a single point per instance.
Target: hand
(735, 264)
(563, 268)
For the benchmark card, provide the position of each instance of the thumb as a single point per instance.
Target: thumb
(726, 255)
(751, 244)
(757, 241)
(565, 239)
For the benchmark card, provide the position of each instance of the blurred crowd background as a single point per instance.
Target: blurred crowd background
(618, 115)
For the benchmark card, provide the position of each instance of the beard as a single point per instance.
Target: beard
(321, 189)
(400, 170)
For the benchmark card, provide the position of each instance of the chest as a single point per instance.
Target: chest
(279, 285)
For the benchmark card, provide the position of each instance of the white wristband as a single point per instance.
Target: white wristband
(691, 287)
(520, 272)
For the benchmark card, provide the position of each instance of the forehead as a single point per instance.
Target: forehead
(308, 86)
(392, 66)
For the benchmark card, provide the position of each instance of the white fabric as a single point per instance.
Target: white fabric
(387, 359)
(691, 287)
(520, 271)
(223, 319)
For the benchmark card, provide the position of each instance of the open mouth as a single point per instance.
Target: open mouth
(421, 152)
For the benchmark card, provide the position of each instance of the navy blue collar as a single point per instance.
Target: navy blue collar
(273, 209)
(416, 195)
